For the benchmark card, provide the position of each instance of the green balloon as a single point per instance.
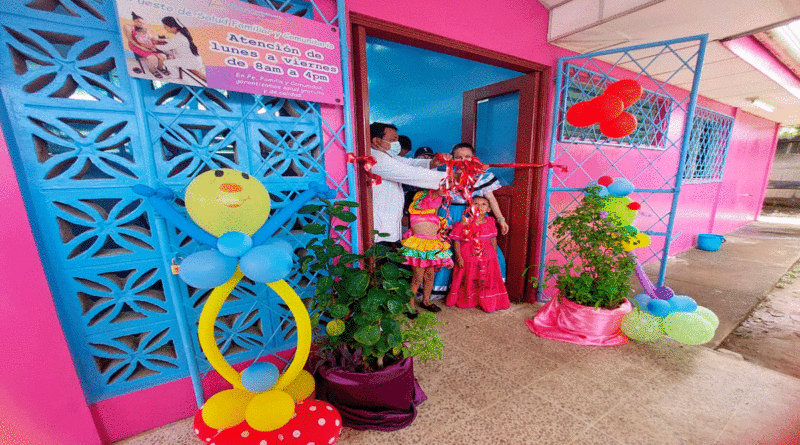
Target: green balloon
(618, 208)
(708, 315)
(688, 328)
(641, 325)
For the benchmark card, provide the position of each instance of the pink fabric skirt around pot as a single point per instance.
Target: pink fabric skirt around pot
(561, 319)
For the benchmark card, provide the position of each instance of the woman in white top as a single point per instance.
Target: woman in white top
(183, 49)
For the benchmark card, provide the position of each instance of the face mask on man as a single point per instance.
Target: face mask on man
(394, 148)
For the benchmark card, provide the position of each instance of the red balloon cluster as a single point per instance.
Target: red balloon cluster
(607, 109)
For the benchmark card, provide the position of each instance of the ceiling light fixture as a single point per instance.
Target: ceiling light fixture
(763, 105)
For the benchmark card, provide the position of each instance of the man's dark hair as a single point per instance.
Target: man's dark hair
(378, 129)
(405, 143)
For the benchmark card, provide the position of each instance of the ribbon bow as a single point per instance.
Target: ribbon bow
(368, 161)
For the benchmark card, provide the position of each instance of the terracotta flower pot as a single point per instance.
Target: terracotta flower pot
(561, 319)
(384, 400)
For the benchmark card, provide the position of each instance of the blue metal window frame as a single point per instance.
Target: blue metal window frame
(708, 147)
(590, 135)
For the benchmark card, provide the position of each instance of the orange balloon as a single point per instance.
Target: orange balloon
(607, 107)
(628, 90)
(620, 127)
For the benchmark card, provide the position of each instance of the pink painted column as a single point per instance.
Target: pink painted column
(41, 400)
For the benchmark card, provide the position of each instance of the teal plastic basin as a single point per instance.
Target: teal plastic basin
(710, 242)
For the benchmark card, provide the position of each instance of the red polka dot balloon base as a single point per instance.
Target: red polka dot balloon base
(315, 422)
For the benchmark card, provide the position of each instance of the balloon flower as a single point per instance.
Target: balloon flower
(608, 108)
(229, 213)
(658, 311)
(620, 209)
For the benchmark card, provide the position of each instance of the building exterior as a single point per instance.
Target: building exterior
(46, 397)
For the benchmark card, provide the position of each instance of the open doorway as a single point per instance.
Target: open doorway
(440, 92)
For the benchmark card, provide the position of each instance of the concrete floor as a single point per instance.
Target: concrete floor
(500, 384)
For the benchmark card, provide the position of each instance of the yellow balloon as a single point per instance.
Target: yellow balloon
(269, 410)
(636, 242)
(226, 409)
(205, 330)
(303, 322)
(301, 387)
(225, 200)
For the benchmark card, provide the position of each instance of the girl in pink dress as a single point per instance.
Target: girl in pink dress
(424, 247)
(476, 278)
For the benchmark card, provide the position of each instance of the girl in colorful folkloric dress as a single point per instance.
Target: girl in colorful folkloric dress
(424, 246)
(476, 277)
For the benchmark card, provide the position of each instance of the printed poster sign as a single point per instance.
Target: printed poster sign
(232, 45)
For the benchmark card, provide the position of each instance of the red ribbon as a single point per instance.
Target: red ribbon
(469, 171)
(563, 168)
(368, 161)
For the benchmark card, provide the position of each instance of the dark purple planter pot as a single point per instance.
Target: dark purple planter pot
(385, 400)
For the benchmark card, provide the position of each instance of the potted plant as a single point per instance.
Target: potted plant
(364, 338)
(593, 279)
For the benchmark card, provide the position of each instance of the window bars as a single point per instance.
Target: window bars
(708, 147)
(652, 111)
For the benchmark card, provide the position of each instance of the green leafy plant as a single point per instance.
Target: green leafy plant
(361, 301)
(596, 270)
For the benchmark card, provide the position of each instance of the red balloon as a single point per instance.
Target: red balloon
(607, 107)
(582, 114)
(628, 90)
(605, 181)
(620, 127)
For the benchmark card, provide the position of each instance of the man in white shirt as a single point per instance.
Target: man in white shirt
(387, 197)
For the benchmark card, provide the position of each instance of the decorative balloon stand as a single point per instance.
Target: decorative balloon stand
(648, 317)
(660, 312)
(229, 212)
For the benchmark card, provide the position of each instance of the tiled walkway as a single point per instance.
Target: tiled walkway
(500, 384)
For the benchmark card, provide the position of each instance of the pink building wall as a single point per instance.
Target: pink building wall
(41, 400)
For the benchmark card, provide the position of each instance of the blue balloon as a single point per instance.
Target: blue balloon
(267, 263)
(290, 210)
(620, 187)
(234, 243)
(603, 192)
(659, 308)
(642, 300)
(160, 200)
(206, 269)
(682, 303)
(260, 377)
(281, 243)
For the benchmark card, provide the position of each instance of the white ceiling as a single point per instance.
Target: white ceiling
(592, 25)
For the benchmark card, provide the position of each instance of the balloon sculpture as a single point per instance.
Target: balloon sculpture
(229, 211)
(607, 109)
(658, 311)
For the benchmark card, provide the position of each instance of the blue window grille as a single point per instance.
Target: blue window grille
(82, 133)
(652, 112)
(708, 147)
